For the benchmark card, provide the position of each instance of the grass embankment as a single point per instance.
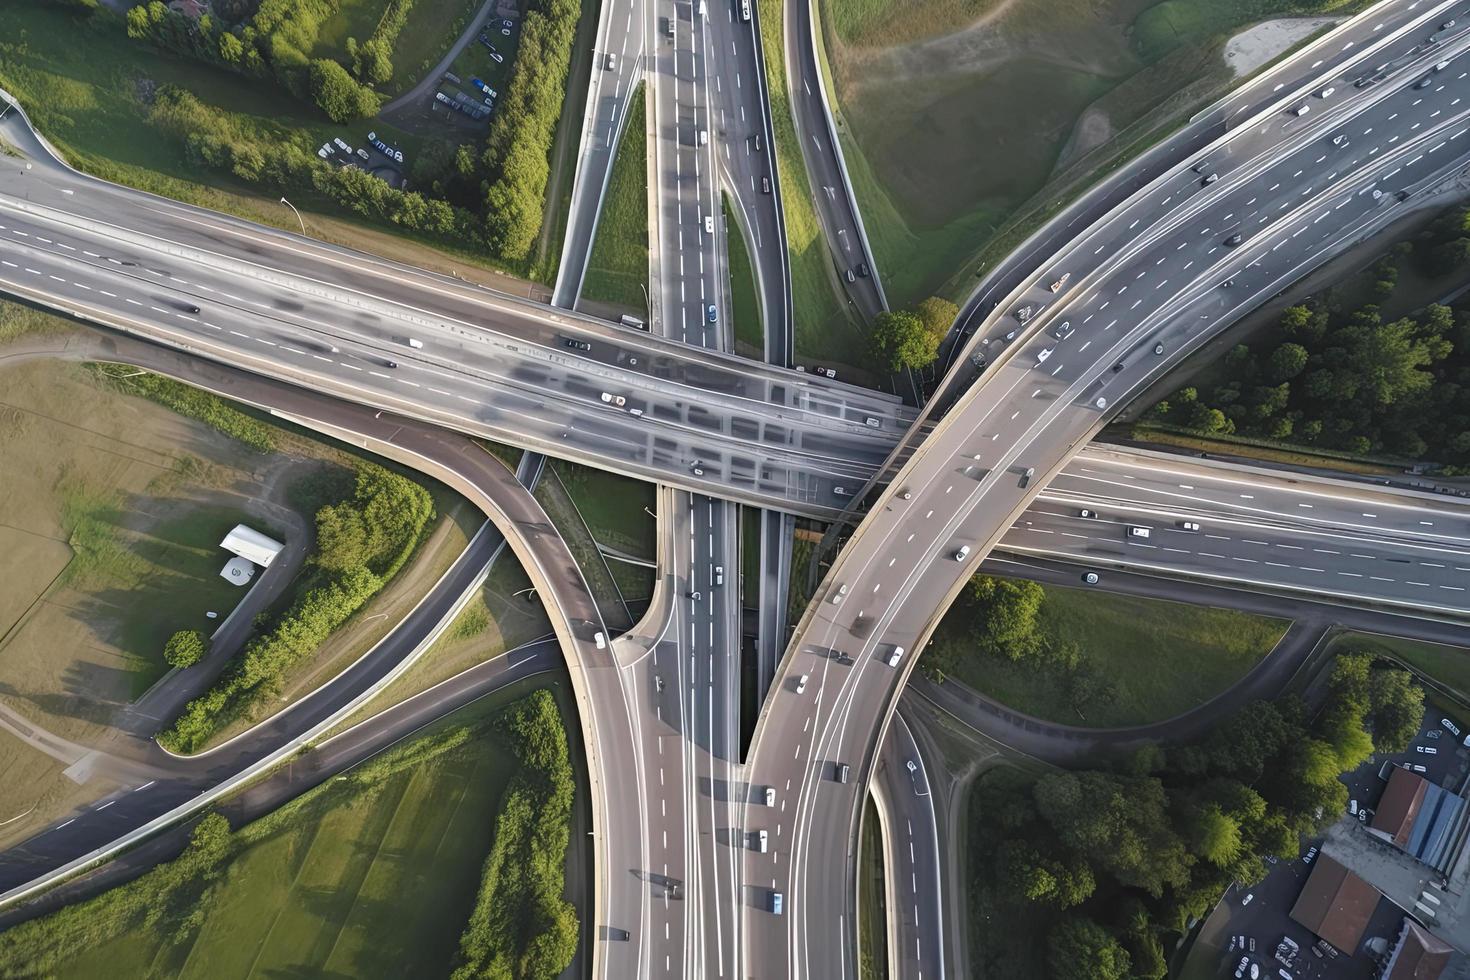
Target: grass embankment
(745, 304)
(1162, 658)
(1448, 665)
(1050, 93)
(617, 269)
(368, 526)
(433, 25)
(824, 329)
(321, 885)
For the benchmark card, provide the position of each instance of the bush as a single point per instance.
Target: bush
(521, 927)
(185, 648)
(336, 94)
(193, 402)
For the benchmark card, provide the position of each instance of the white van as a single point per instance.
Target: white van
(762, 841)
(415, 343)
(1139, 532)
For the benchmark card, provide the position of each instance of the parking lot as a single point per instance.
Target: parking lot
(1266, 917)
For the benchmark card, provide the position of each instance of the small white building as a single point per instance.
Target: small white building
(251, 545)
(238, 571)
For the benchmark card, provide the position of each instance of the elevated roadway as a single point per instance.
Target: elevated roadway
(1134, 301)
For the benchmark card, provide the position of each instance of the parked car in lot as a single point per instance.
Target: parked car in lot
(576, 344)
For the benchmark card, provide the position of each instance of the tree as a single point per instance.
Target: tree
(336, 94)
(185, 648)
(1006, 610)
(902, 341)
(938, 315)
(1395, 706)
(1285, 363)
(1080, 949)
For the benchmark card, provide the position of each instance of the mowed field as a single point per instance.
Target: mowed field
(959, 117)
(1163, 657)
(366, 877)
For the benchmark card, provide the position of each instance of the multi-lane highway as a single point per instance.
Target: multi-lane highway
(1142, 288)
(490, 364)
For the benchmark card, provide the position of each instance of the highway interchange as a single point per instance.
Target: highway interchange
(1146, 282)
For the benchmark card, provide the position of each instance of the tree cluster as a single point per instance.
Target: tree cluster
(1000, 618)
(276, 43)
(521, 927)
(910, 339)
(1123, 858)
(362, 542)
(1349, 381)
(517, 153)
(372, 60)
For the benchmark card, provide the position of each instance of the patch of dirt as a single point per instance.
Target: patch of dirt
(1256, 45)
(1093, 130)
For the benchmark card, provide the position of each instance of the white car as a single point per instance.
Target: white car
(801, 683)
(1247, 899)
(913, 766)
(612, 399)
(963, 553)
(770, 796)
(894, 656)
(1044, 354)
(1090, 578)
(1310, 855)
(1240, 967)
(1426, 749)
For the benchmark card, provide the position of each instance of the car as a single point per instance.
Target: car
(696, 469)
(599, 640)
(696, 596)
(1026, 477)
(1301, 110)
(1447, 24)
(1201, 167)
(709, 224)
(1210, 179)
(190, 308)
(1424, 82)
(612, 61)
(776, 903)
(1139, 531)
(1451, 726)
(704, 137)
(341, 144)
(1248, 897)
(1057, 286)
(762, 841)
(1441, 66)
(1043, 354)
(1158, 349)
(759, 142)
(1023, 313)
(1233, 240)
(1311, 855)
(1117, 367)
(497, 57)
(609, 398)
(1353, 807)
(826, 372)
(1189, 525)
(841, 771)
(849, 275)
(322, 153)
(711, 315)
(770, 796)
(894, 656)
(1087, 514)
(1326, 92)
(1090, 578)
(1227, 283)
(505, 31)
(1419, 768)
(576, 344)
(842, 491)
(765, 185)
(1255, 972)
(844, 659)
(962, 553)
(801, 683)
(1426, 749)
(362, 153)
(390, 364)
(719, 575)
(863, 271)
(1063, 330)
(1341, 140)
(507, 23)
(1436, 733)
(838, 595)
(1010, 335)
(1240, 967)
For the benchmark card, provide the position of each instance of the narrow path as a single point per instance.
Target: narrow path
(431, 79)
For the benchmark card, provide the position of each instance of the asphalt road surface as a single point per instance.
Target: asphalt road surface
(489, 364)
(1296, 198)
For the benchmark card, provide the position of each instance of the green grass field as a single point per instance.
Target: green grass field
(432, 26)
(873, 942)
(745, 304)
(613, 507)
(957, 116)
(617, 269)
(1164, 657)
(824, 329)
(367, 876)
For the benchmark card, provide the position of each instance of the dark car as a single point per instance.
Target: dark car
(765, 185)
(192, 309)
(576, 344)
(863, 271)
(1234, 240)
